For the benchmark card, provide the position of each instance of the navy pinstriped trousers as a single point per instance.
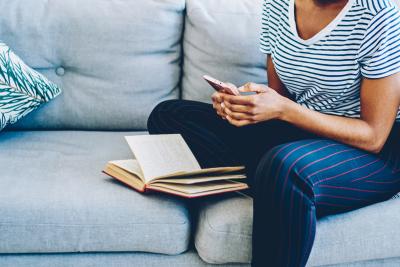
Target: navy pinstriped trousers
(295, 176)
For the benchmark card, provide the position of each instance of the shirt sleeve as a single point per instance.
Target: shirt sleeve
(265, 21)
(380, 50)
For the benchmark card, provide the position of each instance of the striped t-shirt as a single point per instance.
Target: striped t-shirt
(324, 73)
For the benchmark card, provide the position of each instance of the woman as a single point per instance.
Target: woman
(323, 136)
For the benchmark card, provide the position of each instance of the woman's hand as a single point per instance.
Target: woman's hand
(266, 105)
(218, 102)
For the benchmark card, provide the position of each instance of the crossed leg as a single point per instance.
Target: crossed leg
(300, 181)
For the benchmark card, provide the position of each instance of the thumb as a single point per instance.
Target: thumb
(233, 87)
(253, 87)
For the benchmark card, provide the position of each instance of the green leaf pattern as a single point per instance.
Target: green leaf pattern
(3, 121)
(22, 89)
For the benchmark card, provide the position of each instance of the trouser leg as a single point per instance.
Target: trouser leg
(214, 141)
(297, 182)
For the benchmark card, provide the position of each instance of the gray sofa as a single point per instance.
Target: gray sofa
(115, 61)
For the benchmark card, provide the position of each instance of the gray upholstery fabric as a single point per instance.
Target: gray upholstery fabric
(115, 60)
(54, 198)
(221, 39)
(189, 259)
(225, 223)
(389, 262)
(136, 259)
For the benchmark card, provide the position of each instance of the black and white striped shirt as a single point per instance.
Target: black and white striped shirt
(324, 73)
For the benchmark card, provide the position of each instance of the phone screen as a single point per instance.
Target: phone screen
(220, 86)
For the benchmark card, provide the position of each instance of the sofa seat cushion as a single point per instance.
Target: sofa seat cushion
(54, 198)
(225, 225)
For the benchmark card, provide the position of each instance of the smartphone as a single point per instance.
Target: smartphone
(220, 86)
(223, 87)
(247, 93)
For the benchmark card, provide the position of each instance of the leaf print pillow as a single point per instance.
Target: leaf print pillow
(22, 89)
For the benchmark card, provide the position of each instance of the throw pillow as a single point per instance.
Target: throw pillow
(22, 89)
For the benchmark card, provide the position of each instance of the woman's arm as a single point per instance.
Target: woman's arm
(273, 79)
(380, 100)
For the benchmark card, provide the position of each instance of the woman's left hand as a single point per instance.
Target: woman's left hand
(266, 105)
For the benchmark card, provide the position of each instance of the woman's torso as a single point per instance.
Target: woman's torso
(324, 73)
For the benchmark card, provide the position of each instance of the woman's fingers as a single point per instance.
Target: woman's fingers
(216, 97)
(239, 100)
(215, 106)
(238, 123)
(218, 107)
(240, 108)
(253, 87)
(238, 115)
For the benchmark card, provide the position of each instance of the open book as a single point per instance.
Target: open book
(165, 163)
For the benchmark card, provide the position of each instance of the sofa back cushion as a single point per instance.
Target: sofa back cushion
(221, 39)
(115, 60)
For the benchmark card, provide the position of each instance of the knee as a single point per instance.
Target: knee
(278, 171)
(267, 167)
(160, 116)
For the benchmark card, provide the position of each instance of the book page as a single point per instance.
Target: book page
(161, 155)
(199, 180)
(204, 172)
(203, 188)
(127, 177)
(129, 165)
(200, 194)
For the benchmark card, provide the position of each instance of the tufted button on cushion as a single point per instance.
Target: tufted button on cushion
(124, 67)
(60, 71)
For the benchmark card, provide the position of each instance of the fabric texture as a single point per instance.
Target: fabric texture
(220, 40)
(298, 182)
(112, 66)
(114, 69)
(224, 233)
(22, 89)
(298, 177)
(188, 259)
(54, 198)
(325, 72)
(136, 259)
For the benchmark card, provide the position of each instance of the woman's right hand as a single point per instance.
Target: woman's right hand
(218, 102)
